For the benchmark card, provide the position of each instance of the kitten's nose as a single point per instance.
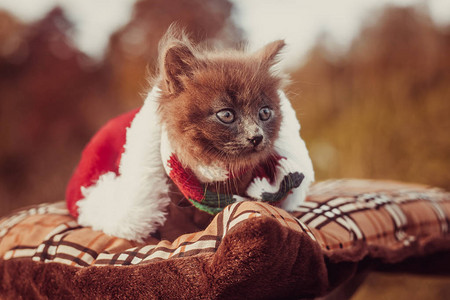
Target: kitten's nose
(256, 140)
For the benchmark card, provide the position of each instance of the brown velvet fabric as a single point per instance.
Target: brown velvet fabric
(259, 259)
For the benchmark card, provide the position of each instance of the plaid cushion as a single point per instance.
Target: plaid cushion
(349, 219)
(48, 233)
(391, 220)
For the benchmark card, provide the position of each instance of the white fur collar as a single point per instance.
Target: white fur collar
(131, 205)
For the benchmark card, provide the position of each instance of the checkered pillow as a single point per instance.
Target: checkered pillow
(340, 215)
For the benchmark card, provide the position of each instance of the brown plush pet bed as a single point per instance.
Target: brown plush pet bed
(250, 250)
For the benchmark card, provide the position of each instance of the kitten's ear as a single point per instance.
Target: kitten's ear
(268, 54)
(178, 63)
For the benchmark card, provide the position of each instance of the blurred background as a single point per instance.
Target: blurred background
(370, 80)
(370, 83)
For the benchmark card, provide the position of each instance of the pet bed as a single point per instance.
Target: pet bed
(250, 250)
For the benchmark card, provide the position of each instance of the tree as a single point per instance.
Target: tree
(381, 109)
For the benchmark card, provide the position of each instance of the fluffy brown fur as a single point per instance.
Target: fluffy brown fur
(197, 84)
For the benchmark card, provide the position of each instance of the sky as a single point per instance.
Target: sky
(299, 22)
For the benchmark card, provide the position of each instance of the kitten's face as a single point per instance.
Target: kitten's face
(228, 111)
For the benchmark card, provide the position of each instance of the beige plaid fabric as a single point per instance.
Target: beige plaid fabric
(48, 233)
(388, 215)
(338, 215)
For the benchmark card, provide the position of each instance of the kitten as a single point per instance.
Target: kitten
(216, 122)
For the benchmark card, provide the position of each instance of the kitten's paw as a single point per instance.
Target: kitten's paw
(286, 178)
(289, 184)
(297, 195)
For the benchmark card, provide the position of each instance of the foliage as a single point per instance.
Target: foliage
(379, 110)
(382, 108)
(53, 97)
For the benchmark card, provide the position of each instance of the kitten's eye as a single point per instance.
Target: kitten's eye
(265, 113)
(226, 116)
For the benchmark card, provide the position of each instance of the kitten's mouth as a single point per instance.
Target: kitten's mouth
(244, 151)
(245, 155)
(249, 154)
(255, 149)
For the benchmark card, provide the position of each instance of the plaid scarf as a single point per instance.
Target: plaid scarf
(267, 186)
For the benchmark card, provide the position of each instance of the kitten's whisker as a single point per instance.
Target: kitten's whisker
(206, 185)
(235, 184)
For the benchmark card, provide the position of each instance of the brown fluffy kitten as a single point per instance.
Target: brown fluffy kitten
(206, 134)
(220, 106)
(217, 106)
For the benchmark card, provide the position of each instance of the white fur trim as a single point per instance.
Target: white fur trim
(131, 205)
(166, 149)
(291, 146)
(211, 173)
